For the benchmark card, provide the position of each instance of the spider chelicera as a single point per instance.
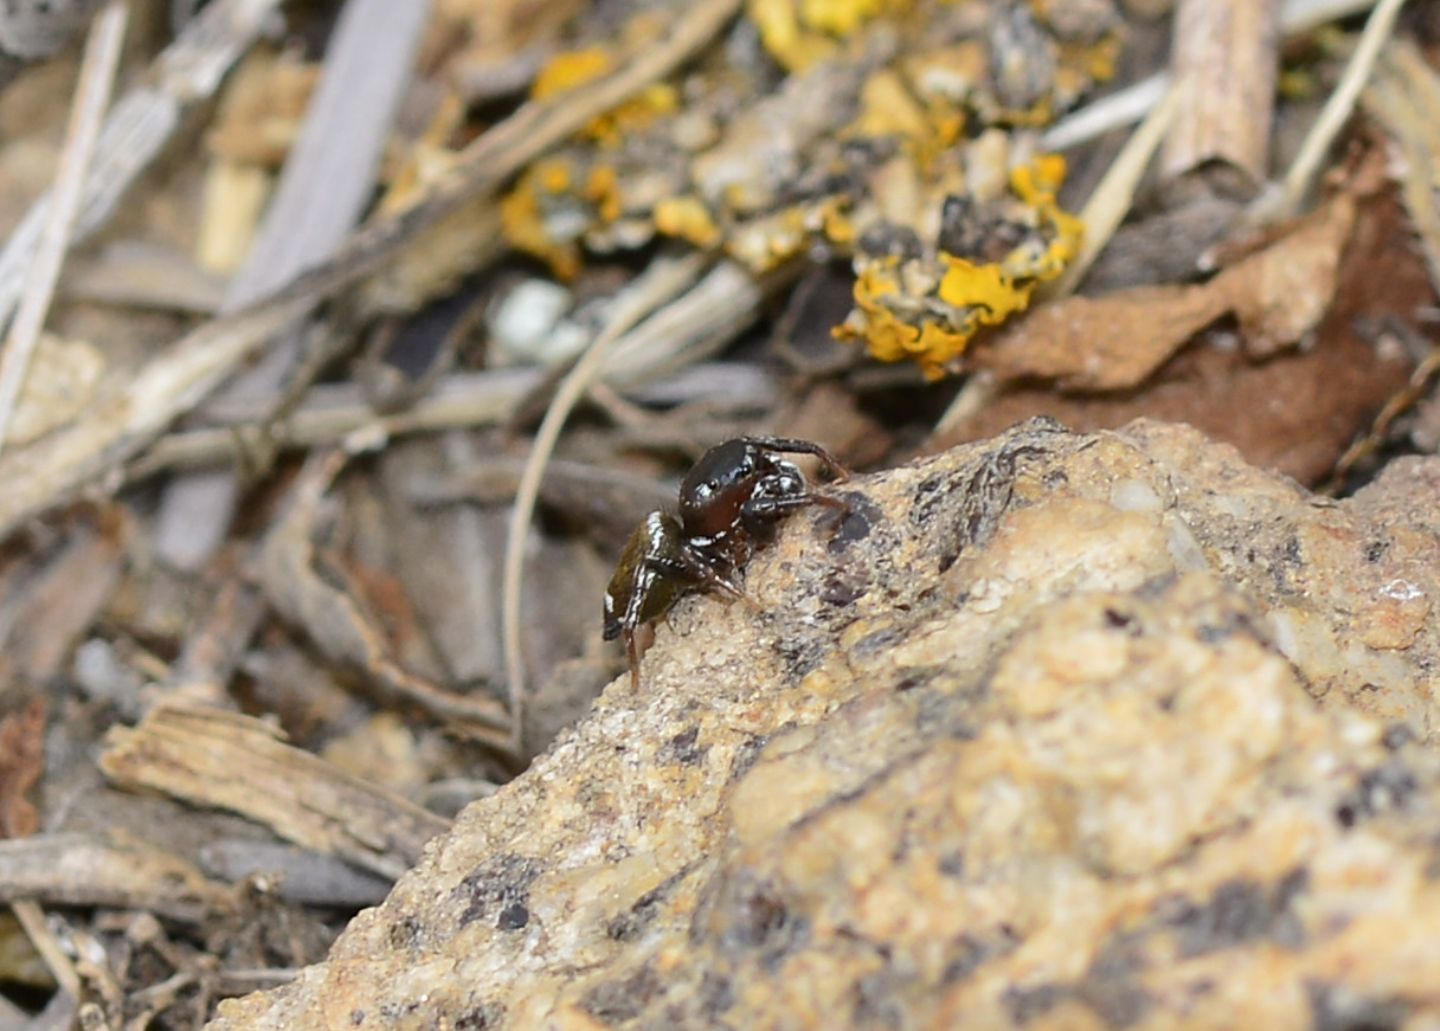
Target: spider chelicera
(730, 503)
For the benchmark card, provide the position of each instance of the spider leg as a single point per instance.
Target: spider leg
(796, 446)
(634, 656)
(759, 514)
(693, 569)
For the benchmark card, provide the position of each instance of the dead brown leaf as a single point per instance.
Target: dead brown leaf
(1281, 293)
(1296, 411)
(1117, 342)
(1101, 344)
(22, 759)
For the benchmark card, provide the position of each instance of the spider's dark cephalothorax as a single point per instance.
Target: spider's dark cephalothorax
(730, 503)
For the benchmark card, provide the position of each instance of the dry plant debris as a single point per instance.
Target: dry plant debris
(229, 761)
(594, 240)
(83, 870)
(319, 597)
(34, 29)
(1295, 411)
(1116, 342)
(883, 145)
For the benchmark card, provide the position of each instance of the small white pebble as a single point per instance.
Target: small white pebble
(523, 323)
(1183, 546)
(1401, 590)
(1135, 496)
(987, 595)
(1285, 634)
(1357, 730)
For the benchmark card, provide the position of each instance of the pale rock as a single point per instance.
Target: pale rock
(1097, 731)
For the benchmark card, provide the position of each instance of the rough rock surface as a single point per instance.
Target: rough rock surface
(1054, 731)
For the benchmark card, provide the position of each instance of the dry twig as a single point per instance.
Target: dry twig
(92, 97)
(1421, 380)
(77, 869)
(1128, 105)
(1228, 51)
(464, 400)
(32, 918)
(333, 412)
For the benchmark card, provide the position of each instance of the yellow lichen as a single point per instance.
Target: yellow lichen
(1038, 114)
(947, 122)
(840, 17)
(523, 223)
(762, 244)
(887, 108)
(1044, 264)
(552, 176)
(569, 70)
(888, 337)
(1037, 184)
(940, 346)
(783, 37)
(836, 224)
(657, 99)
(687, 219)
(1099, 58)
(1040, 180)
(602, 189)
(574, 68)
(800, 33)
(890, 106)
(987, 289)
(975, 295)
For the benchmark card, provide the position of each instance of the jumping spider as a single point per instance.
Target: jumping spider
(730, 503)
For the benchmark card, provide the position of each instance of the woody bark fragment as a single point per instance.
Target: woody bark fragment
(80, 869)
(222, 759)
(1227, 49)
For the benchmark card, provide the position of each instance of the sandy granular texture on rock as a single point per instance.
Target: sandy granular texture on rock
(1053, 731)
